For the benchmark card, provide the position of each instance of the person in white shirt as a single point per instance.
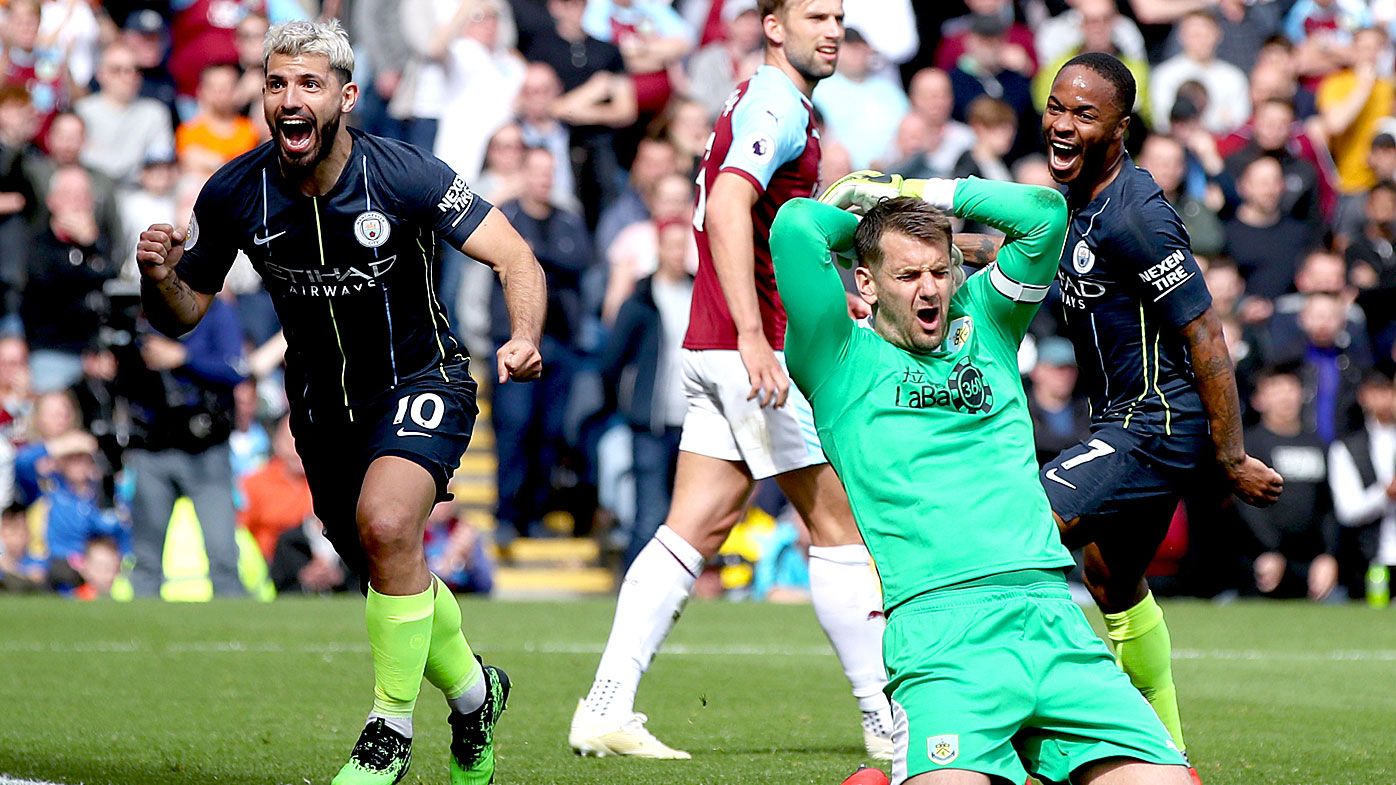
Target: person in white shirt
(1228, 91)
(1362, 474)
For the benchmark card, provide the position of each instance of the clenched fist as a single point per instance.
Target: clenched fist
(159, 250)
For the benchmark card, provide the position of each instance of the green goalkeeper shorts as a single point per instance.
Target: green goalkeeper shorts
(1005, 677)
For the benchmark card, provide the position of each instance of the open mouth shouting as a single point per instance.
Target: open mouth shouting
(297, 136)
(928, 318)
(1063, 158)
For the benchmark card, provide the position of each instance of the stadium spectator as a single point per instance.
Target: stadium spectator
(102, 411)
(65, 140)
(890, 27)
(306, 562)
(98, 569)
(1266, 243)
(1360, 474)
(1351, 103)
(1020, 51)
(1060, 418)
(995, 126)
(539, 128)
(20, 570)
(528, 418)
(654, 159)
(1322, 272)
(456, 552)
(1370, 257)
(16, 391)
(247, 95)
(652, 38)
(634, 253)
(218, 133)
(685, 125)
(1060, 34)
(17, 202)
(75, 515)
(182, 406)
(203, 33)
(716, 69)
(1229, 104)
(1164, 158)
(483, 75)
(30, 64)
(1100, 30)
(1245, 27)
(1322, 33)
(1294, 553)
(148, 38)
(69, 260)
(122, 127)
(384, 52)
(981, 71)
(861, 110)
(946, 139)
(597, 98)
(276, 497)
(642, 369)
(1272, 134)
(152, 201)
(1332, 364)
(55, 416)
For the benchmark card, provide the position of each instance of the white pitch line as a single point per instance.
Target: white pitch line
(4, 780)
(679, 649)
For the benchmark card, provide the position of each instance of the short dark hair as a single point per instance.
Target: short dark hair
(765, 8)
(1114, 72)
(1293, 369)
(904, 215)
(1373, 377)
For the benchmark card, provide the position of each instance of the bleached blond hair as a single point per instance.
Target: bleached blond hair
(312, 38)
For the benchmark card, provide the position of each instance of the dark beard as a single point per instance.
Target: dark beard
(326, 134)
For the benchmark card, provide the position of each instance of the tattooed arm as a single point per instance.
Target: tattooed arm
(172, 306)
(979, 249)
(1253, 481)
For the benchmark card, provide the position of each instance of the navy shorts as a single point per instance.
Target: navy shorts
(1115, 472)
(427, 420)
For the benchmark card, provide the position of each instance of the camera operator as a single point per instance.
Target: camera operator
(180, 395)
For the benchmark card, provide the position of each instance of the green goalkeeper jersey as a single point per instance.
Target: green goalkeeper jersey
(935, 450)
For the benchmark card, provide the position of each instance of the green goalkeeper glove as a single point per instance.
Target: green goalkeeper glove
(858, 192)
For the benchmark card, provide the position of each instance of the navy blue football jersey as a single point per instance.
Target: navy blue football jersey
(1129, 283)
(352, 273)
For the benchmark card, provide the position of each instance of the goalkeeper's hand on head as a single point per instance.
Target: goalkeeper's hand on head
(858, 192)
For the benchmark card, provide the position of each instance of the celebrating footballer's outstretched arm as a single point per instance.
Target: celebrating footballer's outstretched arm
(992, 668)
(343, 228)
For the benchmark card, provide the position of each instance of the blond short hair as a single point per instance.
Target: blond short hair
(312, 38)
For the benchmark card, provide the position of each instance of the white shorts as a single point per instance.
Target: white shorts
(721, 423)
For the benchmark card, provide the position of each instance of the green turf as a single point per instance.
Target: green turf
(249, 693)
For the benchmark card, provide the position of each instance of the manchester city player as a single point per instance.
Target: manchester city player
(343, 228)
(1154, 364)
(993, 670)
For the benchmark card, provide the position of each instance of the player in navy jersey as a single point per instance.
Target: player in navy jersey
(1154, 364)
(343, 227)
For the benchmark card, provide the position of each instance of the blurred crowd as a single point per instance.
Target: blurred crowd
(1268, 124)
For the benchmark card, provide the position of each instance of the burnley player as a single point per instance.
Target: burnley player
(745, 422)
(1153, 361)
(343, 227)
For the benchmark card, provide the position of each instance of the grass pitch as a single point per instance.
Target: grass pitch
(239, 692)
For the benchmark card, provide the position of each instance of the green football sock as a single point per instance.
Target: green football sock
(451, 665)
(1145, 652)
(399, 633)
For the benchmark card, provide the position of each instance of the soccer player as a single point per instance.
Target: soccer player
(994, 672)
(1164, 407)
(745, 422)
(343, 228)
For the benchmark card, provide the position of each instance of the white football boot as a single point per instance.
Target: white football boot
(877, 734)
(601, 736)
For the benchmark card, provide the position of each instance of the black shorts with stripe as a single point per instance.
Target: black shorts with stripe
(427, 420)
(1122, 472)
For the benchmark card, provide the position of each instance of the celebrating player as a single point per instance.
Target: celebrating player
(342, 227)
(745, 422)
(994, 672)
(1154, 364)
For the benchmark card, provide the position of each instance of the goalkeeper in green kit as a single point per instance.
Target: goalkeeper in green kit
(994, 672)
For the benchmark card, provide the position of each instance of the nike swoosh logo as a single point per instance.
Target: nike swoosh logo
(1051, 475)
(265, 240)
(405, 432)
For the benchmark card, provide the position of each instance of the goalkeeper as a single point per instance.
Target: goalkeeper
(994, 671)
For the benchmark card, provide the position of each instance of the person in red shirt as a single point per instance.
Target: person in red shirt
(278, 496)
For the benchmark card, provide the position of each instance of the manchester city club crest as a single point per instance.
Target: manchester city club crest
(192, 235)
(1082, 258)
(371, 229)
(968, 389)
(943, 749)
